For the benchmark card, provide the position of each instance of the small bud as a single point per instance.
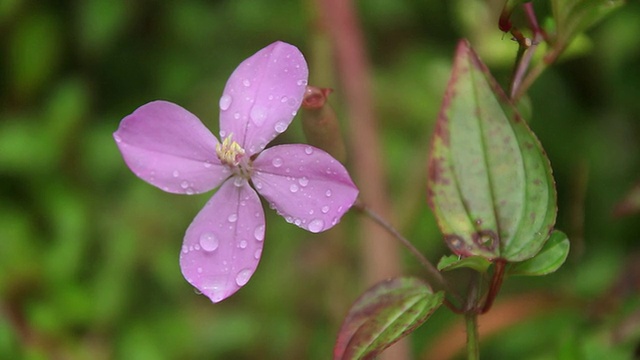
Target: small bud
(320, 123)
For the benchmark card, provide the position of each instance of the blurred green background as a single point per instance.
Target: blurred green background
(89, 253)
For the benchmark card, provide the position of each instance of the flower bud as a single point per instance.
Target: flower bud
(320, 123)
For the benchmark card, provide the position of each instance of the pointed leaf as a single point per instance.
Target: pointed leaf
(549, 259)
(452, 262)
(383, 315)
(490, 184)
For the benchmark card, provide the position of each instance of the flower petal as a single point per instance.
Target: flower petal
(223, 244)
(263, 95)
(167, 146)
(305, 185)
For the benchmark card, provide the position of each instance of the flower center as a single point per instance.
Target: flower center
(232, 154)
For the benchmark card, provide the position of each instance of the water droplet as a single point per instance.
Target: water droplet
(185, 249)
(258, 114)
(243, 277)
(325, 209)
(270, 97)
(258, 185)
(294, 188)
(233, 218)
(284, 99)
(246, 82)
(302, 82)
(199, 270)
(214, 289)
(243, 244)
(189, 191)
(209, 242)
(328, 193)
(280, 127)
(277, 162)
(258, 233)
(176, 173)
(292, 102)
(297, 222)
(184, 184)
(308, 150)
(303, 181)
(311, 212)
(316, 225)
(118, 139)
(257, 254)
(225, 102)
(207, 164)
(238, 181)
(236, 115)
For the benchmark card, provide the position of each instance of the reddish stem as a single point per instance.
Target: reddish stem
(496, 284)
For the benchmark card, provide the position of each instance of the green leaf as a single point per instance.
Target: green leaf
(575, 16)
(549, 259)
(490, 183)
(453, 262)
(383, 315)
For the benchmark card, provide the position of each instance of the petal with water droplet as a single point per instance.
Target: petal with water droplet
(259, 118)
(227, 258)
(290, 199)
(166, 145)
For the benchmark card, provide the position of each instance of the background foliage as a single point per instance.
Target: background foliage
(89, 253)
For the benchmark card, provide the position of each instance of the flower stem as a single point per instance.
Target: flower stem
(433, 272)
(471, 322)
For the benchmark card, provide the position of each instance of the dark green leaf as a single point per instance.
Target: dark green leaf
(383, 315)
(490, 184)
(453, 262)
(549, 259)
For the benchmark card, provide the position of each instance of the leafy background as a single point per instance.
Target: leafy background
(89, 253)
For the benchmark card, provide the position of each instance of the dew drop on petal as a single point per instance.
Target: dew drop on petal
(215, 290)
(238, 181)
(184, 184)
(233, 218)
(185, 249)
(302, 82)
(280, 127)
(257, 254)
(258, 114)
(199, 270)
(208, 242)
(258, 233)
(303, 181)
(207, 164)
(243, 277)
(243, 244)
(277, 162)
(308, 150)
(189, 191)
(118, 139)
(225, 102)
(316, 225)
(284, 99)
(294, 188)
(325, 209)
(328, 193)
(236, 115)
(176, 173)
(246, 82)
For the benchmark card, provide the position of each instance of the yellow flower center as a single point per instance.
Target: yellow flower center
(232, 154)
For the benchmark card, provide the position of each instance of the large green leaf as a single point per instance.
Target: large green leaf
(490, 183)
(549, 259)
(383, 315)
(452, 262)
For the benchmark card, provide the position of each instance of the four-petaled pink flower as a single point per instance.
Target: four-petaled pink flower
(170, 148)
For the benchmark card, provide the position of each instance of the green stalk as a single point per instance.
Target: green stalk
(473, 349)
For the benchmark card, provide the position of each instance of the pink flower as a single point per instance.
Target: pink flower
(168, 147)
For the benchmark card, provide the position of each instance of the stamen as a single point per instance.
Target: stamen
(229, 152)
